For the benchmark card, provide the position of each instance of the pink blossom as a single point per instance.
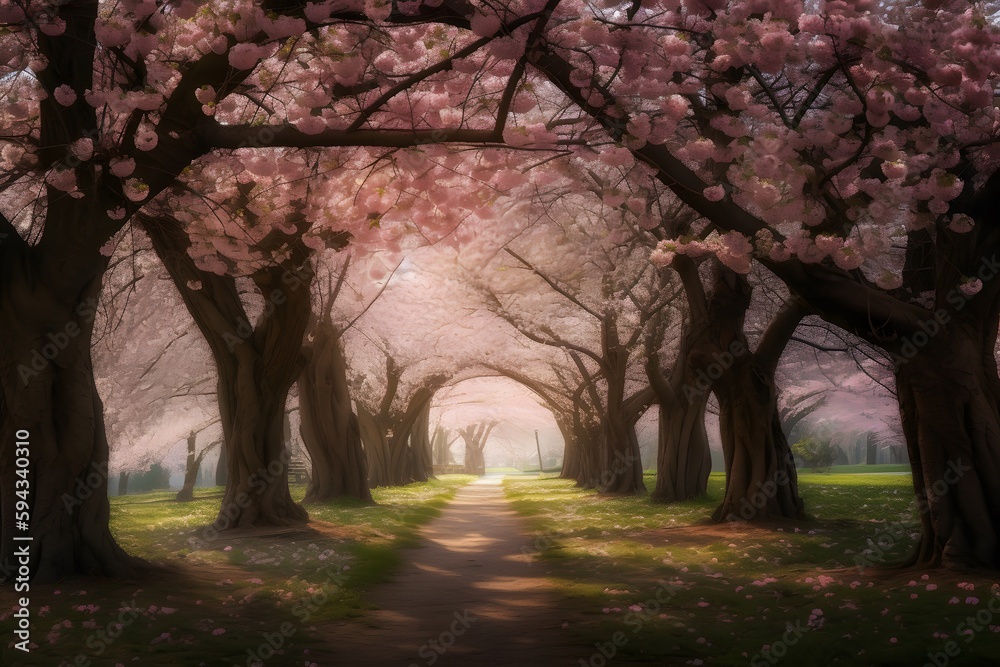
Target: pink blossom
(64, 95)
(205, 94)
(135, 189)
(122, 167)
(53, 27)
(971, 288)
(318, 12)
(484, 25)
(245, 56)
(961, 224)
(82, 149)
(888, 280)
(146, 139)
(894, 170)
(62, 179)
(714, 193)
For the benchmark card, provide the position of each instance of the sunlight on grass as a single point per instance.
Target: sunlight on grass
(680, 586)
(229, 591)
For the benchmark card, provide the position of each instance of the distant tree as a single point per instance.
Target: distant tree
(818, 454)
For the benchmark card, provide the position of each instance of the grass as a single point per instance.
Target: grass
(684, 591)
(881, 467)
(224, 593)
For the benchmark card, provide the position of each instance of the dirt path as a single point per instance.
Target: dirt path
(470, 589)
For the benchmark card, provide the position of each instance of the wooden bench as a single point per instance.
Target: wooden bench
(297, 471)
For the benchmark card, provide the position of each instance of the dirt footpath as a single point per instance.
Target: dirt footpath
(468, 596)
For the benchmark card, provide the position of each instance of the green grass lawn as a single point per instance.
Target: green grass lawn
(681, 590)
(226, 592)
(861, 468)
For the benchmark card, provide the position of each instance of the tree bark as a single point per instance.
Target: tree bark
(949, 402)
(420, 445)
(192, 468)
(330, 429)
(684, 460)
(621, 461)
(256, 365)
(49, 400)
(191, 464)
(222, 468)
(475, 438)
(442, 447)
(761, 481)
(376, 443)
(386, 434)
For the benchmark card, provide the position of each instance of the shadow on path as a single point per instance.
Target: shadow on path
(467, 596)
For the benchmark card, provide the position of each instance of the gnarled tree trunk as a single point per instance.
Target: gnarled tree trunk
(256, 365)
(476, 437)
(949, 402)
(761, 481)
(684, 460)
(191, 468)
(330, 429)
(420, 445)
(621, 460)
(52, 420)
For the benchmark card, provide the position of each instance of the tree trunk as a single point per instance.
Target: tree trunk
(476, 437)
(50, 401)
(621, 460)
(761, 481)
(684, 460)
(442, 449)
(949, 402)
(588, 455)
(222, 468)
(123, 483)
(420, 445)
(253, 389)
(191, 466)
(376, 444)
(474, 462)
(256, 365)
(329, 429)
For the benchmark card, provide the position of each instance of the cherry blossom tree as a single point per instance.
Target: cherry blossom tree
(476, 436)
(815, 136)
(599, 315)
